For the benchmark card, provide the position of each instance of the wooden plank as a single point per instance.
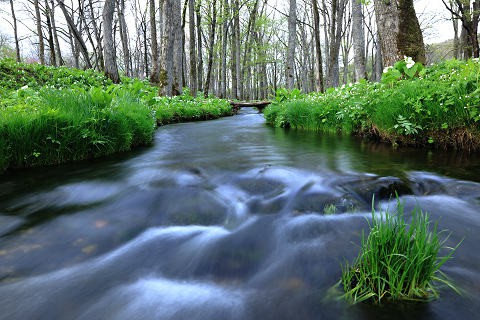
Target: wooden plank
(250, 104)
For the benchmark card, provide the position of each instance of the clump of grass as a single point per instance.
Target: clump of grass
(398, 262)
(330, 209)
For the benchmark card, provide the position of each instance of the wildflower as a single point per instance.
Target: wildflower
(24, 87)
(409, 61)
(475, 59)
(385, 70)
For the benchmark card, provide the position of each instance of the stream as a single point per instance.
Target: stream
(226, 219)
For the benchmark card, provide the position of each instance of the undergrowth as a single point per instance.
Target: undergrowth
(438, 106)
(54, 115)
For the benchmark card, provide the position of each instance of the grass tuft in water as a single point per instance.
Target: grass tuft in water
(398, 262)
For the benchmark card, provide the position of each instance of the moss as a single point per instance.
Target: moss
(409, 37)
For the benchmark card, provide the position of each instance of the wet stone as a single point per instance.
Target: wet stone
(382, 188)
(268, 188)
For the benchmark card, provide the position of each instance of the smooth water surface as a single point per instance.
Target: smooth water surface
(225, 219)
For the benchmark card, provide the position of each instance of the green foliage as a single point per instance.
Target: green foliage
(411, 105)
(14, 76)
(284, 95)
(56, 115)
(403, 69)
(187, 108)
(397, 261)
(52, 126)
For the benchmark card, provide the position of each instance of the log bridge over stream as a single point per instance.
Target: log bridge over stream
(260, 105)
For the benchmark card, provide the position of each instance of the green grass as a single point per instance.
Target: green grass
(186, 108)
(52, 115)
(398, 262)
(438, 107)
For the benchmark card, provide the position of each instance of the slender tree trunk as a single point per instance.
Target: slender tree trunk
(319, 85)
(378, 68)
(123, 38)
(178, 49)
(210, 49)
(236, 27)
(292, 39)
(166, 68)
(41, 44)
(358, 40)
(98, 37)
(338, 9)
(15, 32)
(223, 56)
(76, 34)
(154, 40)
(199, 46)
(51, 45)
(233, 61)
(192, 48)
(58, 50)
(111, 69)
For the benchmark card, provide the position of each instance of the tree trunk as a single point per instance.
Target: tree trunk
(166, 67)
(153, 33)
(358, 40)
(236, 30)
(170, 79)
(399, 31)
(76, 34)
(192, 48)
(51, 45)
(292, 39)
(15, 32)
(338, 9)
(199, 46)
(98, 37)
(223, 56)
(58, 51)
(177, 49)
(41, 45)
(211, 38)
(123, 38)
(319, 85)
(378, 67)
(111, 69)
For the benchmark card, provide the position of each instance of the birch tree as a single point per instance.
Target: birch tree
(358, 40)
(292, 39)
(111, 69)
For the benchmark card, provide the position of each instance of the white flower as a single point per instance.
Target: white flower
(24, 87)
(385, 70)
(475, 59)
(409, 61)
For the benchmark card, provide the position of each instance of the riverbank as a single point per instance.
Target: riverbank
(52, 115)
(438, 106)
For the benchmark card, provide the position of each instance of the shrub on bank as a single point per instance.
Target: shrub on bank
(439, 105)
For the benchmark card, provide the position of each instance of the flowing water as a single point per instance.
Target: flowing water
(225, 219)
